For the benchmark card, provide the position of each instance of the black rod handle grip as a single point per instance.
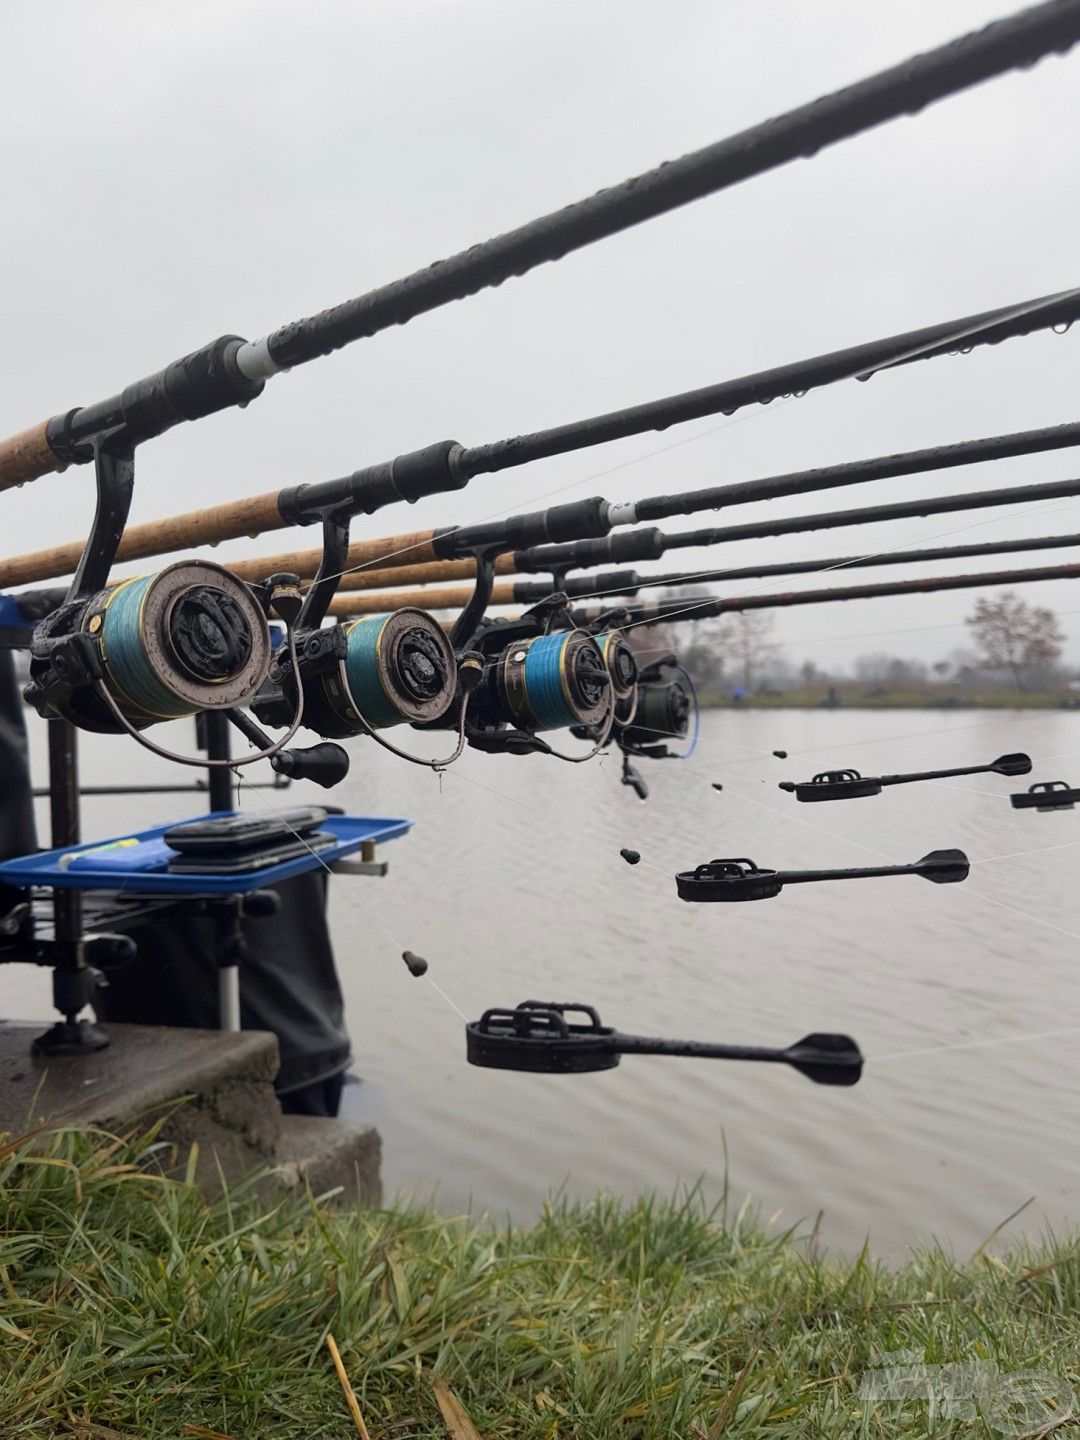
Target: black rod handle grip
(581, 519)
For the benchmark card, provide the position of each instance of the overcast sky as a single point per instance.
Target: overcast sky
(175, 173)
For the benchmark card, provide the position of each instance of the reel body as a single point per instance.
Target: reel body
(548, 682)
(189, 638)
(622, 667)
(397, 669)
(374, 672)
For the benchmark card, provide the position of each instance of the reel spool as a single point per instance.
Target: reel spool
(662, 712)
(190, 637)
(398, 669)
(553, 681)
(622, 666)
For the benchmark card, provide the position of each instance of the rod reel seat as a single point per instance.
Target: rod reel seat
(1046, 795)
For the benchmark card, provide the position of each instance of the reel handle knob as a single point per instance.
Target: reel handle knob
(326, 764)
(260, 904)
(470, 670)
(284, 597)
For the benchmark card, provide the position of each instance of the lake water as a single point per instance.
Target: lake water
(512, 886)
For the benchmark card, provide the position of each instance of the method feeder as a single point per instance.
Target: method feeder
(542, 1038)
(231, 371)
(1046, 795)
(736, 880)
(850, 785)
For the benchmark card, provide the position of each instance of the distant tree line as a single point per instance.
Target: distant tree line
(1015, 645)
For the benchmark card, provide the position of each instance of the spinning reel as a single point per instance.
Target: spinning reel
(367, 674)
(190, 638)
(730, 881)
(661, 708)
(542, 1038)
(850, 785)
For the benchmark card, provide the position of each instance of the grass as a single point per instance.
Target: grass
(131, 1307)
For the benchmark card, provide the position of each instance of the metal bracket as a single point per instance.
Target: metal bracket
(366, 865)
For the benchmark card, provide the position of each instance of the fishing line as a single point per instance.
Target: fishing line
(977, 1044)
(379, 917)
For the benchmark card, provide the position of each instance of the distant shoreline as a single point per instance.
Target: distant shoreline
(1034, 700)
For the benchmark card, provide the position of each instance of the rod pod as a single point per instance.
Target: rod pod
(537, 1036)
(1046, 795)
(850, 785)
(735, 880)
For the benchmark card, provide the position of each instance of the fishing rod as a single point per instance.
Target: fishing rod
(448, 465)
(567, 1039)
(231, 371)
(395, 555)
(628, 582)
(733, 881)
(666, 611)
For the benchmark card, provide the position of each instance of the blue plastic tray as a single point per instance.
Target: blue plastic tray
(141, 869)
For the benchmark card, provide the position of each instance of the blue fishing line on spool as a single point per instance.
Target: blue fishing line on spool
(362, 668)
(137, 689)
(544, 682)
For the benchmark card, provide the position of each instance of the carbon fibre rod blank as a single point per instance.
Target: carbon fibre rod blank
(860, 472)
(630, 582)
(446, 466)
(231, 371)
(666, 611)
(1018, 41)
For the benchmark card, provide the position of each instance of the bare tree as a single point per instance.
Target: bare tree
(747, 636)
(1013, 635)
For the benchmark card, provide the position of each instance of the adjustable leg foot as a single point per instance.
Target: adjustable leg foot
(70, 1037)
